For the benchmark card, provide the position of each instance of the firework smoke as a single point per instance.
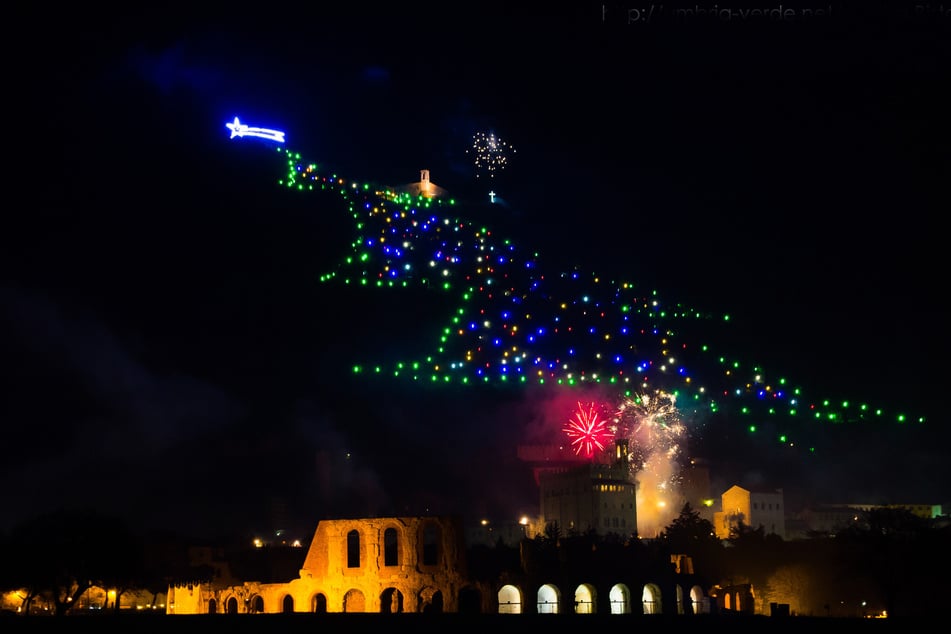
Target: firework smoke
(656, 434)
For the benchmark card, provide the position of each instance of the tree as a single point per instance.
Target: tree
(62, 554)
(689, 532)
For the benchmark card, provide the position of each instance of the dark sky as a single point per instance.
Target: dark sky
(168, 352)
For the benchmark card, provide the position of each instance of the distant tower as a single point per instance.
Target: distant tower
(620, 451)
(425, 187)
(591, 495)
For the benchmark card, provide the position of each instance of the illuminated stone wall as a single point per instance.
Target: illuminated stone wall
(395, 564)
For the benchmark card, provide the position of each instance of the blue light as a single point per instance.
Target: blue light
(239, 129)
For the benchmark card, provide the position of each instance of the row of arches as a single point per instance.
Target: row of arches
(511, 599)
(549, 599)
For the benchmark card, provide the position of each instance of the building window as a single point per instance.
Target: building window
(353, 549)
(390, 548)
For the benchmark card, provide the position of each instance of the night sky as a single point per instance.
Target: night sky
(169, 353)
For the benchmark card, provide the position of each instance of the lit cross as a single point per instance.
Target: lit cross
(491, 196)
(240, 129)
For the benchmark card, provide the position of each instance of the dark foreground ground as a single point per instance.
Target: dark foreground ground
(442, 623)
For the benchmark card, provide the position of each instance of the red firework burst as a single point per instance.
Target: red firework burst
(587, 432)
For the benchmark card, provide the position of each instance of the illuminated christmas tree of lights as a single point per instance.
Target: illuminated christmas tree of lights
(511, 321)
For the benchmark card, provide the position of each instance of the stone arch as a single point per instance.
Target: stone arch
(391, 601)
(548, 599)
(651, 599)
(354, 543)
(620, 599)
(354, 601)
(510, 600)
(287, 605)
(256, 606)
(586, 599)
(232, 605)
(212, 606)
(430, 600)
(470, 600)
(391, 546)
(697, 600)
(318, 603)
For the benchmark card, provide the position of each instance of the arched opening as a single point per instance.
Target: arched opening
(288, 604)
(212, 606)
(232, 606)
(391, 547)
(697, 600)
(620, 598)
(391, 601)
(319, 603)
(585, 599)
(510, 600)
(431, 601)
(354, 601)
(257, 604)
(650, 598)
(548, 599)
(353, 549)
